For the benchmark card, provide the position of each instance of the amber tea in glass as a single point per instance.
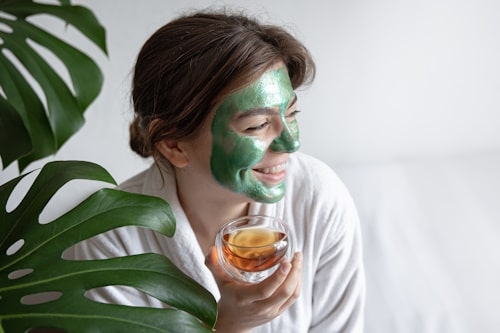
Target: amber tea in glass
(252, 247)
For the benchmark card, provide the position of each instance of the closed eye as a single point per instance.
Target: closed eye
(258, 127)
(291, 116)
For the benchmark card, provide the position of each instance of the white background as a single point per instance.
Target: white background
(396, 79)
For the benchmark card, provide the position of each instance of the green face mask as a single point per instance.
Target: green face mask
(234, 154)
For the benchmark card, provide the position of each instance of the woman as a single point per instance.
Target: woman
(215, 106)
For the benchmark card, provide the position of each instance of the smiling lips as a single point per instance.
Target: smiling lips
(274, 174)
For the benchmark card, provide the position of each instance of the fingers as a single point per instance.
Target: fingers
(283, 284)
(256, 304)
(279, 290)
(268, 287)
(293, 293)
(212, 263)
(211, 258)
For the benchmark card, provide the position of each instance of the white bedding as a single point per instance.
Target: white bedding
(431, 234)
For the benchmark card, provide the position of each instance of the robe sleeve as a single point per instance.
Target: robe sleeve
(339, 283)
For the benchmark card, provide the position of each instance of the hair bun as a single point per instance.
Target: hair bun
(137, 142)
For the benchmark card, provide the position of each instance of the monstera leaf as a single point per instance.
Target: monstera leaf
(37, 268)
(29, 128)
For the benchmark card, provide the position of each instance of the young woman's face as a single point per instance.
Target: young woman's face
(253, 131)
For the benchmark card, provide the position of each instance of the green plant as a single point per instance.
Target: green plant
(31, 253)
(30, 129)
(41, 257)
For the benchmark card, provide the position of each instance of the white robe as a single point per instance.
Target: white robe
(322, 219)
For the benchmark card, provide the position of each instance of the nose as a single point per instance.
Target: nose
(287, 141)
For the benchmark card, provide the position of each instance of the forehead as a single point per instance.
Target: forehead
(272, 89)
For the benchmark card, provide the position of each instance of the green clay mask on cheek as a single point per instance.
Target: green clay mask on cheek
(235, 153)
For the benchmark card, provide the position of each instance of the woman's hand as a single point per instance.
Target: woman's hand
(243, 306)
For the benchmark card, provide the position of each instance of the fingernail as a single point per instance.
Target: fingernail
(285, 267)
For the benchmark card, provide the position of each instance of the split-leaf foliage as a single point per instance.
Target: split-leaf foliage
(39, 288)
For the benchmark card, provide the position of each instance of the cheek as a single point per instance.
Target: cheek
(293, 128)
(231, 154)
(247, 152)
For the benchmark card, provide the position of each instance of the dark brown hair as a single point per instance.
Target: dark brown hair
(190, 64)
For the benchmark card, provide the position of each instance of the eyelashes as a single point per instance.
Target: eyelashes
(258, 127)
(290, 117)
(293, 114)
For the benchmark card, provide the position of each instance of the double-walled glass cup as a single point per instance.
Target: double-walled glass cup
(251, 248)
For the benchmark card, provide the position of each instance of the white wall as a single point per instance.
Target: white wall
(396, 79)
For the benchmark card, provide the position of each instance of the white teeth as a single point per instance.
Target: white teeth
(272, 170)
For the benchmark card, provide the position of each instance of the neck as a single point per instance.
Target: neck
(207, 208)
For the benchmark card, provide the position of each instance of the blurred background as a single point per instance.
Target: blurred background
(406, 109)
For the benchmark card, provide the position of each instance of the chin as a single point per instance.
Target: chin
(269, 200)
(268, 194)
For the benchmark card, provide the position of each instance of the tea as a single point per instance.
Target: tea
(254, 249)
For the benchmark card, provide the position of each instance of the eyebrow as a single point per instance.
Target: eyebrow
(263, 111)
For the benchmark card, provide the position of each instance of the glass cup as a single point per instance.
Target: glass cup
(251, 248)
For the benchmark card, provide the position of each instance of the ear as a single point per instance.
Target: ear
(172, 150)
